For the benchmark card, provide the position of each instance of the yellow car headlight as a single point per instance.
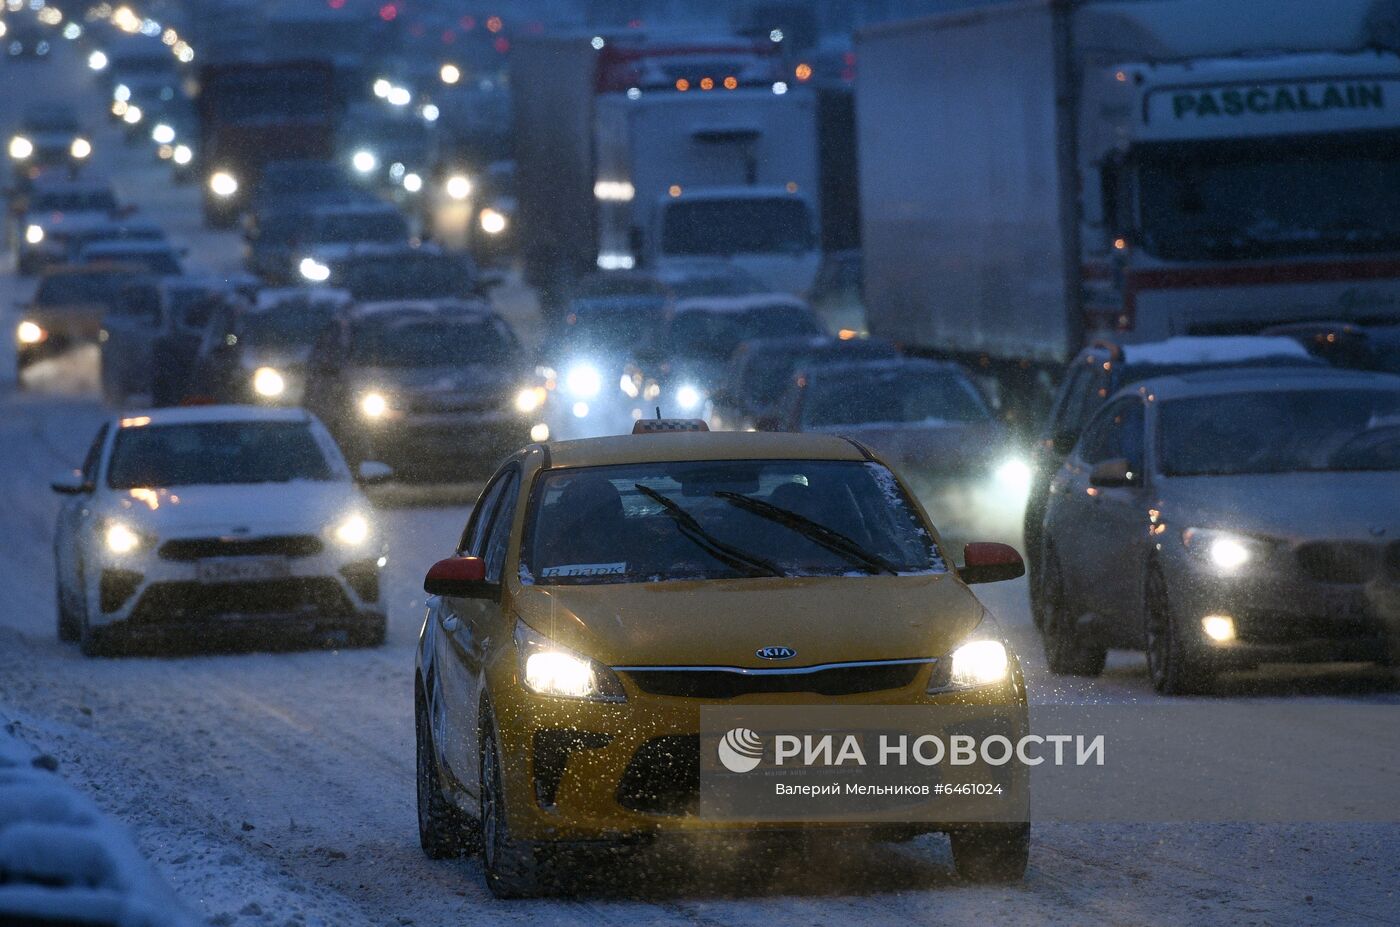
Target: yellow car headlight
(979, 663)
(353, 530)
(548, 669)
(268, 382)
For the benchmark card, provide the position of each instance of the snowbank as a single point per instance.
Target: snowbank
(63, 861)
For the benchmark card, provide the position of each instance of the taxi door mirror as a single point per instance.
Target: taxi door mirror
(460, 577)
(990, 562)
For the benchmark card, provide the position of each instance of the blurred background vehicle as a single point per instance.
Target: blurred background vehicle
(68, 308)
(1347, 344)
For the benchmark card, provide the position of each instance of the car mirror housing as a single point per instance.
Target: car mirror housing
(373, 473)
(1115, 472)
(70, 484)
(462, 577)
(990, 562)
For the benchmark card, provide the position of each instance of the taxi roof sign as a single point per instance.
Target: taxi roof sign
(652, 426)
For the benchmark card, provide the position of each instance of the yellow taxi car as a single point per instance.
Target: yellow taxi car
(604, 590)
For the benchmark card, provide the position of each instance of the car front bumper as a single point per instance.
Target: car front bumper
(578, 771)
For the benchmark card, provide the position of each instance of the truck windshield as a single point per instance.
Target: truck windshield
(1208, 201)
(892, 395)
(276, 95)
(714, 519)
(739, 226)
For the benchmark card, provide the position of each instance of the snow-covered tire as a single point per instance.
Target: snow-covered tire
(1175, 663)
(992, 852)
(443, 830)
(1068, 650)
(70, 622)
(511, 869)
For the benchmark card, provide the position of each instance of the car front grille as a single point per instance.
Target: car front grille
(732, 682)
(290, 545)
(663, 777)
(1347, 562)
(164, 602)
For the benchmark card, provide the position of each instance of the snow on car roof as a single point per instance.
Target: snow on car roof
(279, 297)
(195, 415)
(739, 303)
(1245, 379)
(1204, 349)
(700, 445)
(424, 306)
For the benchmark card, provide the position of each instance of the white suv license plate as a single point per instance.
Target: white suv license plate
(241, 569)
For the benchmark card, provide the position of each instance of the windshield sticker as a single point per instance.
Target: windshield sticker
(584, 569)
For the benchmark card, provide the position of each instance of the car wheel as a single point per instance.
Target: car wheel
(70, 627)
(443, 830)
(511, 868)
(1069, 651)
(1174, 662)
(992, 852)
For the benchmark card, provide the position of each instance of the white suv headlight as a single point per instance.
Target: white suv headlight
(549, 669)
(353, 530)
(120, 538)
(1225, 551)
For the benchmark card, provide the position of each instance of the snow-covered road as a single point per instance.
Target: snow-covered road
(278, 788)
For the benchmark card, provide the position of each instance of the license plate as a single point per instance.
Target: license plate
(241, 569)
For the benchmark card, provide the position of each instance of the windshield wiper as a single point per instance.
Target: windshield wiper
(834, 541)
(691, 530)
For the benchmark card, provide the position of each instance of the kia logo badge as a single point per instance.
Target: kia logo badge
(775, 653)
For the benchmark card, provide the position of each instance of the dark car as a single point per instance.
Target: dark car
(377, 273)
(67, 308)
(151, 333)
(432, 388)
(257, 352)
(1104, 368)
(1227, 518)
(761, 370)
(285, 185)
(926, 417)
(1348, 344)
(686, 357)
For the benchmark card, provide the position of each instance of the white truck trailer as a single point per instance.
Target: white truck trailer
(644, 152)
(1034, 174)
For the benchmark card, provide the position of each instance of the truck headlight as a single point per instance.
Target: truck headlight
(222, 183)
(120, 539)
(30, 333)
(21, 148)
(374, 405)
(80, 148)
(548, 669)
(353, 530)
(1225, 551)
(34, 234)
(268, 382)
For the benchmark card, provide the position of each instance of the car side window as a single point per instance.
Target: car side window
(94, 456)
(498, 540)
(1070, 414)
(1116, 432)
(475, 531)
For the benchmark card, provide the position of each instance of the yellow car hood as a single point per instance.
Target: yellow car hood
(723, 622)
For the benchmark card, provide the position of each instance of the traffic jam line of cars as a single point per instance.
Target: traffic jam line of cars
(1214, 501)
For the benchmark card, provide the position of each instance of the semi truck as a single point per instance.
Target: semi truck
(638, 151)
(254, 112)
(1037, 174)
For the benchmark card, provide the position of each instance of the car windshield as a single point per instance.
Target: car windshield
(737, 226)
(333, 228)
(766, 375)
(1280, 432)
(210, 453)
(300, 178)
(705, 333)
(893, 395)
(90, 201)
(1213, 201)
(405, 276)
(69, 289)
(430, 342)
(722, 519)
(286, 326)
(608, 325)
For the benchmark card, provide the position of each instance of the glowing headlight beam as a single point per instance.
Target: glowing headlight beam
(979, 663)
(120, 539)
(373, 405)
(559, 673)
(268, 382)
(353, 531)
